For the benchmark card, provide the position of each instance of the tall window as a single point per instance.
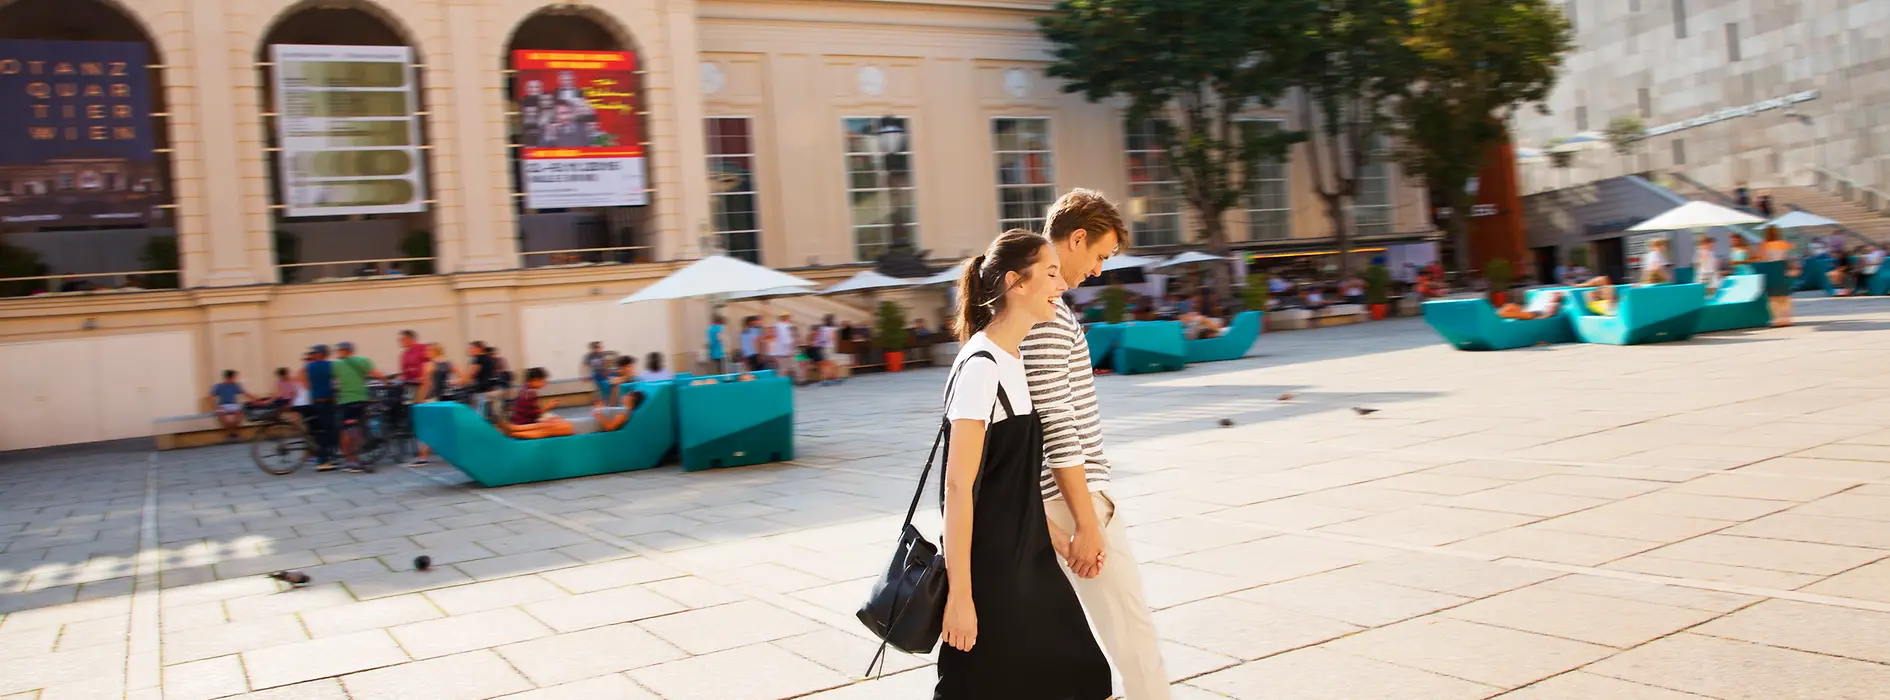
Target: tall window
(1154, 191)
(1732, 42)
(880, 194)
(1581, 118)
(1371, 208)
(1026, 183)
(1270, 202)
(732, 186)
(1679, 19)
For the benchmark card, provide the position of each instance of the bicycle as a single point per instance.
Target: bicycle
(280, 445)
(386, 430)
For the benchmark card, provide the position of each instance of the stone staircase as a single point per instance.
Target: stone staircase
(1869, 224)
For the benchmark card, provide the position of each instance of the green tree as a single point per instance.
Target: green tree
(1191, 67)
(1350, 63)
(1477, 62)
(1625, 133)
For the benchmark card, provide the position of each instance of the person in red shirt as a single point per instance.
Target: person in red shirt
(530, 419)
(413, 358)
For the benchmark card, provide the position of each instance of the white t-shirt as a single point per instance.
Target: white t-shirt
(781, 344)
(824, 337)
(1872, 260)
(657, 376)
(1543, 302)
(1653, 261)
(1705, 264)
(975, 394)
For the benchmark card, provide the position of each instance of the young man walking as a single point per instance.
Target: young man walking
(1085, 229)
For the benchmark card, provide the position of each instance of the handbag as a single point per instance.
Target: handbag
(906, 607)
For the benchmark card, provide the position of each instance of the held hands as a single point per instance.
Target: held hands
(1086, 553)
(961, 621)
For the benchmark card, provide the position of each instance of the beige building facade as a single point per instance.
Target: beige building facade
(807, 86)
(1754, 92)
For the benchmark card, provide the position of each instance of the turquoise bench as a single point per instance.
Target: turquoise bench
(1233, 342)
(472, 445)
(732, 423)
(1814, 275)
(1150, 346)
(1740, 303)
(1653, 314)
(1102, 339)
(1472, 324)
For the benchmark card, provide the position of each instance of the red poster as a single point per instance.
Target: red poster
(578, 128)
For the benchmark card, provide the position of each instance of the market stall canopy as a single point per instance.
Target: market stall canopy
(1124, 262)
(1696, 215)
(869, 280)
(716, 277)
(1189, 258)
(1800, 219)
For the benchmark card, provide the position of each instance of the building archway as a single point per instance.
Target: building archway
(347, 143)
(85, 167)
(590, 205)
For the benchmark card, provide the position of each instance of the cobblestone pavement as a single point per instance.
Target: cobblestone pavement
(1709, 518)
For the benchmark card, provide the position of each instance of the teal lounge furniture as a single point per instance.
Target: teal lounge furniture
(732, 423)
(1879, 283)
(1102, 338)
(1150, 346)
(1653, 314)
(1814, 275)
(1472, 324)
(472, 445)
(1232, 344)
(1740, 303)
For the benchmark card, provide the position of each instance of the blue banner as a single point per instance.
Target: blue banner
(76, 146)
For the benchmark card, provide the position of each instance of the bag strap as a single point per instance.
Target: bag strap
(951, 387)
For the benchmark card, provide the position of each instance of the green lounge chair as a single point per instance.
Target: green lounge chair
(472, 445)
(734, 423)
(1472, 324)
(1232, 344)
(1150, 346)
(1740, 303)
(1653, 314)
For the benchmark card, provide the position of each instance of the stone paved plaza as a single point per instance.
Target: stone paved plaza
(1700, 519)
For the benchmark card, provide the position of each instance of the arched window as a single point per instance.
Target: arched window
(83, 109)
(347, 144)
(580, 157)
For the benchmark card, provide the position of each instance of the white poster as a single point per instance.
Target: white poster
(346, 125)
(563, 183)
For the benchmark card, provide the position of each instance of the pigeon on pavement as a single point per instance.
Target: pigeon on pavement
(1364, 411)
(293, 578)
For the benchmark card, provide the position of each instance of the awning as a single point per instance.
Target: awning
(716, 277)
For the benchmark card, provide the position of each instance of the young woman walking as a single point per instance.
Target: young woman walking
(1014, 629)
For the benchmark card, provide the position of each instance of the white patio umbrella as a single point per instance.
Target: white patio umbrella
(1189, 258)
(1123, 262)
(1801, 219)
(949, 275)
(868, 280)
(717, 278)
(1696, 215)
(770, 294)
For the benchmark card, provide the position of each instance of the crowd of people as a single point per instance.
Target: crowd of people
(819, 354)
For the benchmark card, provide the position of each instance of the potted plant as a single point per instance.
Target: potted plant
(889, 335)
(1578, 257)
(1498, 272)
(1115, 305)
(1254, 295)
(1377, 279)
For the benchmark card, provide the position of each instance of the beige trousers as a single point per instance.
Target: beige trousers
(1114, 602)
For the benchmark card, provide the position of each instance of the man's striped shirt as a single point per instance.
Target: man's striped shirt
(1056, 361)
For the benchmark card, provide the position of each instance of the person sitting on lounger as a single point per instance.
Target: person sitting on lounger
(604, 418)
(1198, 326)
(1543, 305)
(1600, 299)
(531, 418)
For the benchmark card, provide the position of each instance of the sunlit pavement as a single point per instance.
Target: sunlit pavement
(1708, 518)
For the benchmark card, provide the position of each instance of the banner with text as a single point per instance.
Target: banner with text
(580, 145)
(346, 122)
(76, 146)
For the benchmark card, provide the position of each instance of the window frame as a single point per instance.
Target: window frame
(911, 186)
(1035, 223)
(1248, 199)
(1378, 157)
(1170, 189)
(754, 188)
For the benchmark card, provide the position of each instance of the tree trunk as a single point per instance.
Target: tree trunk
(1461, 207)
(1341, 229)
(1219, 276)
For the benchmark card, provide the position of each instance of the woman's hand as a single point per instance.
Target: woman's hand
(961, 621)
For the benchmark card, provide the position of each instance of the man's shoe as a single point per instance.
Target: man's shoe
(326, 467)
(353, 468)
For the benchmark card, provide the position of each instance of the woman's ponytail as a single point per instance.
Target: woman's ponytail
(981, 288)
(974, 308)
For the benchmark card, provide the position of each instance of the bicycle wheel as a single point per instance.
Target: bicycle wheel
(372, 431)
(279, 448)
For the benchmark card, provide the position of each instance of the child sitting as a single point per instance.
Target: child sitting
(604, 418)
(530, 417)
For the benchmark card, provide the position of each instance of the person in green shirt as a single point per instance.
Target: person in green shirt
(351, 398)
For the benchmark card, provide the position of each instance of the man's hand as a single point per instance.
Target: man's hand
(1059, 541)
(1086, 553)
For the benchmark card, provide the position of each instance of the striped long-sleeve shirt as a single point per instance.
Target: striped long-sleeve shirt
(1062, 387)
